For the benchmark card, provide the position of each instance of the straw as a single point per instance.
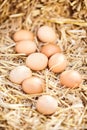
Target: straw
(69, 19)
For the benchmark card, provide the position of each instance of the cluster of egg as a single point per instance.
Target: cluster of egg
(49, 55)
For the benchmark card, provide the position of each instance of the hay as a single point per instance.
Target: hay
(69, 19)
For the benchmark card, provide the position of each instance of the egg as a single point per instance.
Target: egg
(46, 34)
(50, 49)
(23, 35)
(57, 63)
(46, 104)
(18, 74)
(70, 78)
(26, 46)
(37, 61)
(33, 85)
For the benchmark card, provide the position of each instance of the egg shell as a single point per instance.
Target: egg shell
(57, 63)
(46, 104)
(26, 46)
(50, 49)
(46, 34)
(70, 78)
(37, 61)
(33, 85)
(18, 74)
(23, 35)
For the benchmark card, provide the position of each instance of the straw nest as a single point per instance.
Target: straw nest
(69, 19)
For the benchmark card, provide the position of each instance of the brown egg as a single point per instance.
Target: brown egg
(57, 62)
(46, 105)
(25, 47)
(33, 85)
(70, 78)
(23, 35)
(50, 49)
(37, 61)
(46, 34)
(18, 74)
